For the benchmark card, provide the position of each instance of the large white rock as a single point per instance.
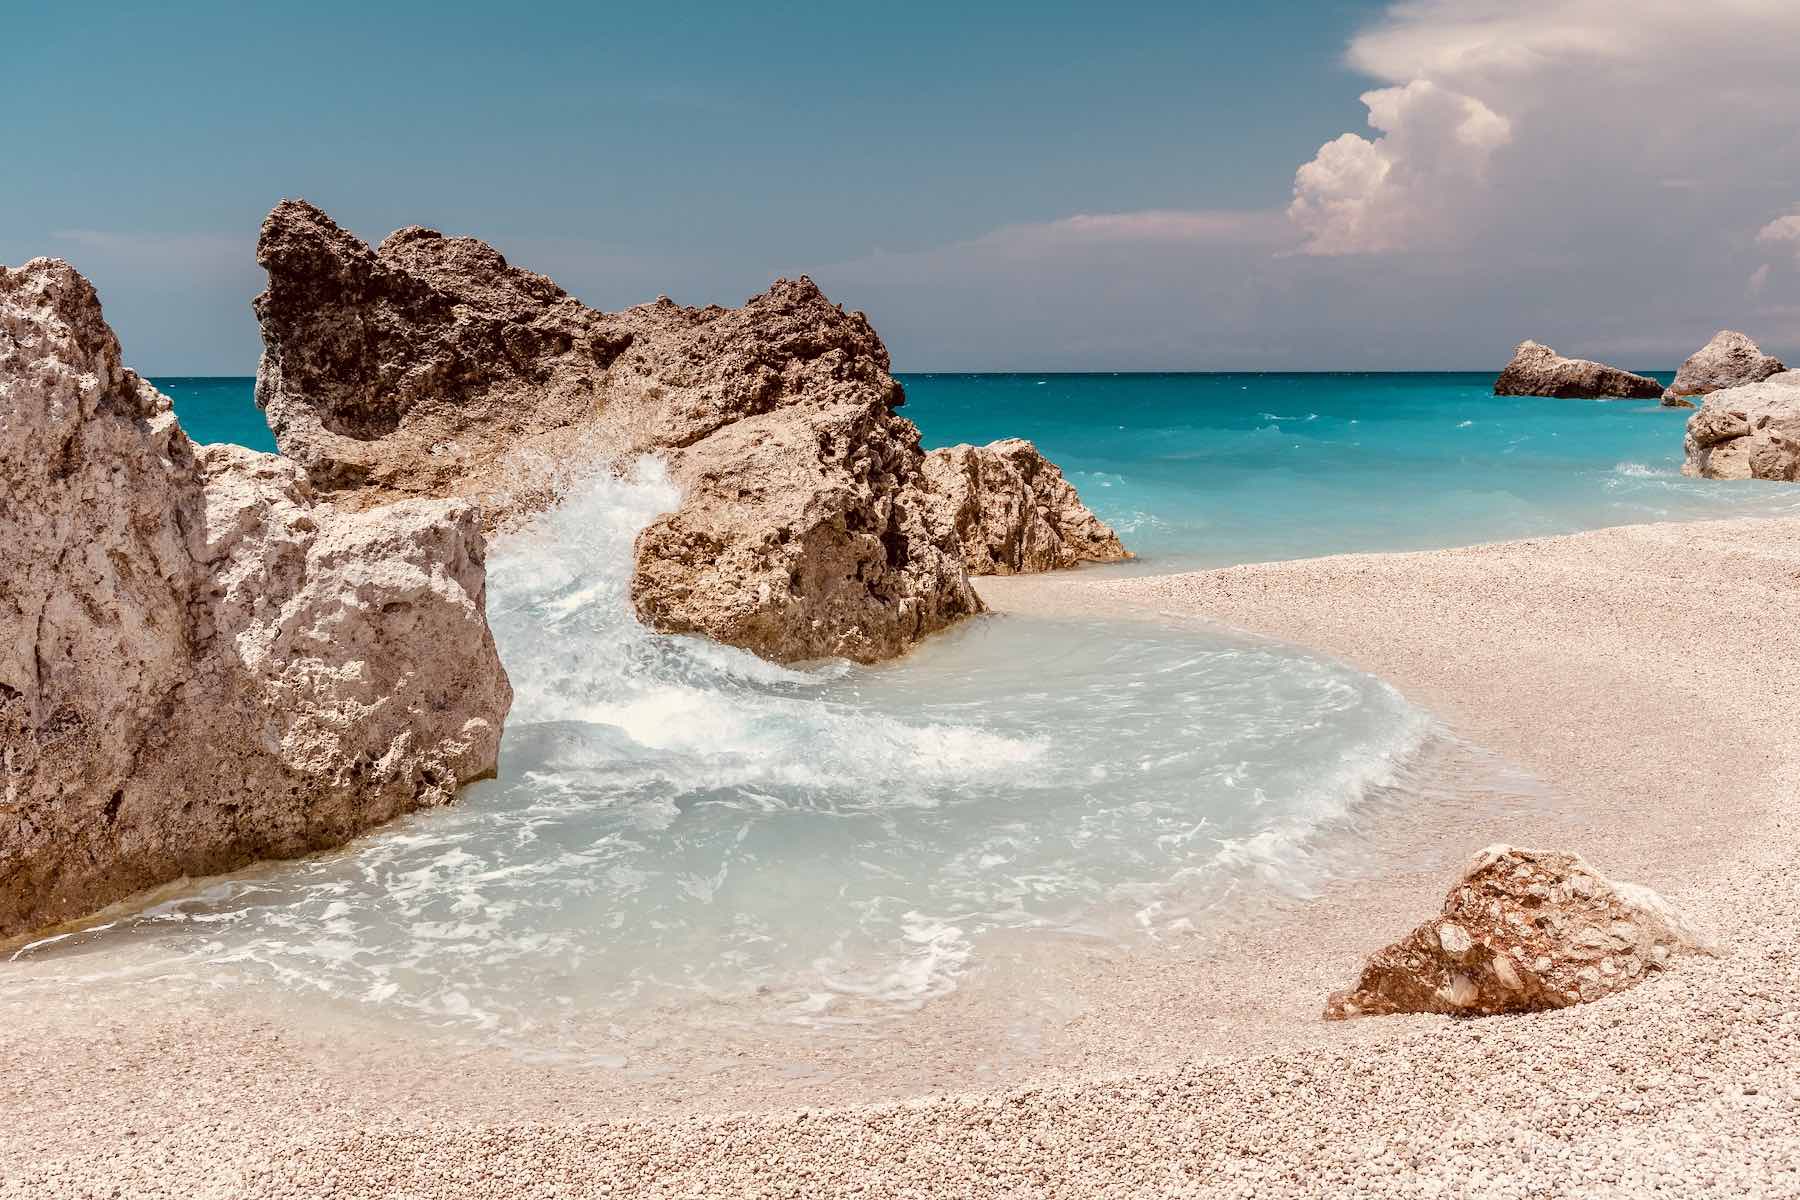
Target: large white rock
(1748, 432)
(199, 665)
(1729, 360)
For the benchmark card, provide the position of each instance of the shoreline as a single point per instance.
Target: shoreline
(1644, 673)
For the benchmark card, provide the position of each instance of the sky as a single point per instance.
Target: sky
(1308, 184)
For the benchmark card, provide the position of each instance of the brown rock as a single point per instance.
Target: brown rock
(1729, 360)
(1012, 511)
(429, 366)
(802, 534)
(1537, 370)
(200, 666)
(1747, 432)
(1521, 930)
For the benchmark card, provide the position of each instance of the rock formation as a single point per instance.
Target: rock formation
(1729, 360)
(1012, 511)
(431, 367)
(1521, 930)
(201, 666)
(1540, 371)
(1747, 432)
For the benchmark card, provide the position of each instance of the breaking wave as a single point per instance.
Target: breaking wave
(679, 824)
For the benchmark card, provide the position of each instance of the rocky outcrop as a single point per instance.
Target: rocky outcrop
(1729, 360)
(1522, 930)
(201, 665)
(1011, 511)
(1537, 370)
(802, 534)
(429, 366)
(1748, 432)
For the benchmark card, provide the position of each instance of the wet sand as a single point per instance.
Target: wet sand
(1648, 677)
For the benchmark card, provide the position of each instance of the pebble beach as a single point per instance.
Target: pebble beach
(1643, 674)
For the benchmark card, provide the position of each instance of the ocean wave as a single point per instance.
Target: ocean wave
(680, 827)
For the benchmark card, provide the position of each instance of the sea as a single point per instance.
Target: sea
(679, 828)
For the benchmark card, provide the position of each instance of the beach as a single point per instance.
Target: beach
(1643, 675)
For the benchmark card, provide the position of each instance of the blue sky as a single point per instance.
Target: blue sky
(925, 162)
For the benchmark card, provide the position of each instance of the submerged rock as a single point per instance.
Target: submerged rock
(200, 665)
(1537, 370)
(1012, 511)
(1522, 930)
(1747, 432)
(430, 367)
(1729, 360)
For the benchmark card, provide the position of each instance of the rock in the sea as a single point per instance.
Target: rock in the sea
(1729, 360)
(1521, 931)
(200, 665)
(1012, 511)
(1537, 370)
(1748, 432)
(431, 367)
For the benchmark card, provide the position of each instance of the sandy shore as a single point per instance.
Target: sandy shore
(1648, 676)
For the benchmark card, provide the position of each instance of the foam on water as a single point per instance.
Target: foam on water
(679, 826)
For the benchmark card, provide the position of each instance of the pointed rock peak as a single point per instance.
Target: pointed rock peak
(1730, 359)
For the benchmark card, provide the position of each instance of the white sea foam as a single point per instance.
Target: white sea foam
(678, 821)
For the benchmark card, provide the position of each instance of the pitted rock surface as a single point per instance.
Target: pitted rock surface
(1537, 370)
(1012, 511)
(1521, 931)
(1730, 360)
(429, 366)
(200, 665)
(1748, 432)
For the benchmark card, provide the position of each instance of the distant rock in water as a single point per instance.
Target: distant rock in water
(429, 366)
(1747, 432)
(200, 666)
(1729, 360)
(1537, 370)
(1012, 511)
(1521, 931)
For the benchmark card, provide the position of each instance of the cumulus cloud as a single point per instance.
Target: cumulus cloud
(1360, 196)
(1516, 123)
(1583, 171)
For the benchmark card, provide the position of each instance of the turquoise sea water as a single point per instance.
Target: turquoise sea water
(1205, 470)
(683, 837)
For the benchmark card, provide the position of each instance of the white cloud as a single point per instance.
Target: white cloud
(1783, 232)
(1549, 125)
(1359, 196)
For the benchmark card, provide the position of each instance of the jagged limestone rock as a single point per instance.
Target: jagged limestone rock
(1747, 432)
(429, 366)
(1013, 512)
(200, 665)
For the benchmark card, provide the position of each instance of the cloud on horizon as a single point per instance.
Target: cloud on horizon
(1609, 181)
(1617, 183)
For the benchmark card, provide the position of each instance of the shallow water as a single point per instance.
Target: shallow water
(682, 830)
(678, 822)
